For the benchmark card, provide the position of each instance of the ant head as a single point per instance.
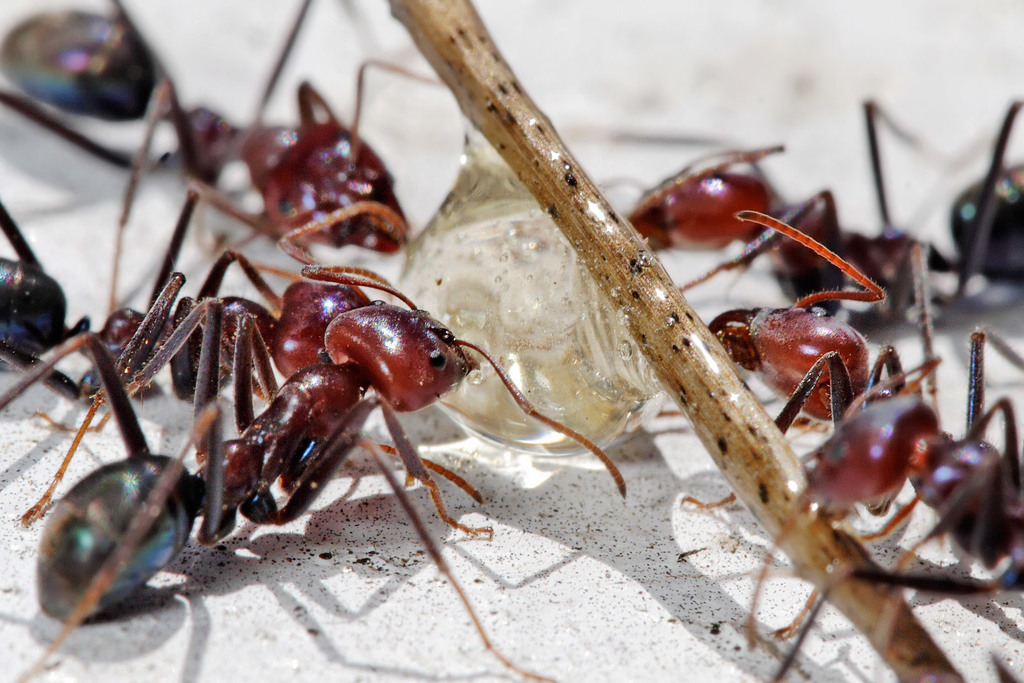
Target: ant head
(410, 358)
(335, 174)
(868, 458)
(699, 211)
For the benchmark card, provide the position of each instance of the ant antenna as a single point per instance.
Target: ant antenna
(872, 294)
(282, 58)
(527, 407)
(355, 277)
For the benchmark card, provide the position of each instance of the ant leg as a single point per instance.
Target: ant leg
(731, 498)
(889, 385)
(896, 520)
(976, 383)
(156, 111)
(441, 470)
(809, 619)
(453, 478)
(786, 632)
(757, 246)
(56, 380)
(41, 117)
(360, 82)
(928, 584)
(1011, 451)
(926, 328)
(980, 230)
(17, 240)
(435, 554)
(888, 361)
(139, 349)
(840, 390)
(221, 202)
(354, 277)
(787, 528)
(211, 286)
(282, 58)
(242, 371)
(415, 468)
(174, 246)
(871, 111)
(185, 364)
(43, 504)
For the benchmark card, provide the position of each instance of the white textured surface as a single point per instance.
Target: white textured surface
(575, 585)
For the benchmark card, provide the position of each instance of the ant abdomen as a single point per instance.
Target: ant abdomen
(89, 523)
(1004, 257)
(700, 212)
(32, 307)
(81, 63)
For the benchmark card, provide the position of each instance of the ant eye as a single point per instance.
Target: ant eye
(438, 360)
(445, 335)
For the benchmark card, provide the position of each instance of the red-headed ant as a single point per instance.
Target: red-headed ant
(128, 520)
(974, 486)
(320, 170)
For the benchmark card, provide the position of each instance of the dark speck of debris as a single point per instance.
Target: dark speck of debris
(716, 628)
(326, 555)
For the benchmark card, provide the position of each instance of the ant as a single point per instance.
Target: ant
(320, 170)
(786, 346)
(296, 336)
(128, 520)
(974, 486)
(697, 209)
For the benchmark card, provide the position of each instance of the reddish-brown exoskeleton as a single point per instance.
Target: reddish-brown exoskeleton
(696, 210)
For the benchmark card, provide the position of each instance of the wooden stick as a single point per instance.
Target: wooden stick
(753, 456)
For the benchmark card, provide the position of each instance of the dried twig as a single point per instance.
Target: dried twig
(753, 456)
